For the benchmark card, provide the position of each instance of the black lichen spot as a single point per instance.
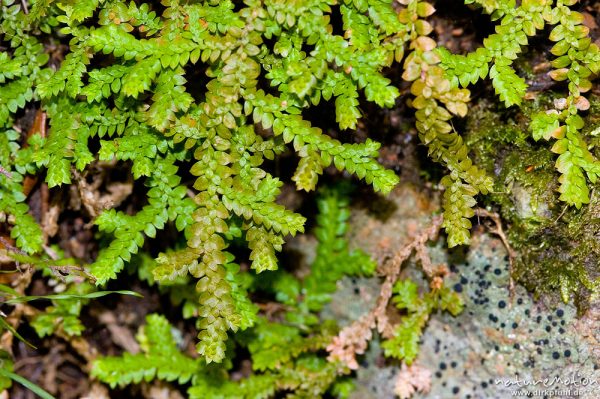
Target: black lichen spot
(501, 304)
(443, 366)
(555, 355)
(497, 272)
(455, 390)
(560, 313)
(567, 353)
(463, 280)
(530, 362)
(515, 325)
(517, 346)
(453, 365)
(548, 328)
(458, 287)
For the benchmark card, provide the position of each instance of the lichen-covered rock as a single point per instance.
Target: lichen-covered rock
(497, 343)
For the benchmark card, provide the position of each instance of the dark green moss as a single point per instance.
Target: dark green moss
(558, 251)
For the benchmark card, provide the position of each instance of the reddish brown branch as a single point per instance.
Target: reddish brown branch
(354, 339)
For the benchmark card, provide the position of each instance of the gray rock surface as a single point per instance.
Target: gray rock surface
(497, 344)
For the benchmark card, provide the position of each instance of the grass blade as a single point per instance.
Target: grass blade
(27, 384)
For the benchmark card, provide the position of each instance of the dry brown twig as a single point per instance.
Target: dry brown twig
(499, 231)
(25, 7)
(95, 202)
(60, 271)
(355, 338)
(8, 245)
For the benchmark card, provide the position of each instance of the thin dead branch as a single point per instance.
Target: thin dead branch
(95, 202)
(499, 231)
(354, 339)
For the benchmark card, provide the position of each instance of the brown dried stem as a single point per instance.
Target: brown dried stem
(354, 339)
(499, 231)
